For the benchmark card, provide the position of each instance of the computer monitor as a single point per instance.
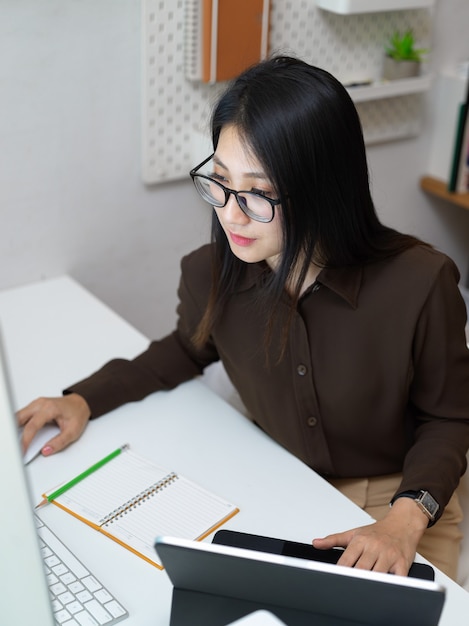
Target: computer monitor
(24, 595)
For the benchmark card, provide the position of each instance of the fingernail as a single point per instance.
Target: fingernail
(46, 450)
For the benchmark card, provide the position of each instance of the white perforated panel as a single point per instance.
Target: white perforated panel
(176, 109)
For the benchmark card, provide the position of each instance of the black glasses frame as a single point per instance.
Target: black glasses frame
(228, 192)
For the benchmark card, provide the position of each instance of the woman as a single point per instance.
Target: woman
(344, 338)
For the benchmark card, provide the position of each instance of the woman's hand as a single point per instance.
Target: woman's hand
(71, 414)
(388, 545)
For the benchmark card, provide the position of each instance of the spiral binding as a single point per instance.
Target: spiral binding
(138, 499)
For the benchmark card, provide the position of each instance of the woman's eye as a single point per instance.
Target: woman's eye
(218, 177)
(262, 192)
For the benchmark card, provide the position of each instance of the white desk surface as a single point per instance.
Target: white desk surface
(55, 333)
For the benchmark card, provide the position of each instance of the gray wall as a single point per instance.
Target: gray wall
(71, 198)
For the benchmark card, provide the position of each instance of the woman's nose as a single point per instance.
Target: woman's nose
(233, 213)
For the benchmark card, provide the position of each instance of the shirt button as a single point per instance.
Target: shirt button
(301, 370)
(316, 287)
(312, 421)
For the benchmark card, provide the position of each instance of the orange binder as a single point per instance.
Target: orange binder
(235, 35)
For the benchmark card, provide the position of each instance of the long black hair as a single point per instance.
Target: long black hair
(302, 126)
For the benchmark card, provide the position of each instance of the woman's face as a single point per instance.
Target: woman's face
(238, 169)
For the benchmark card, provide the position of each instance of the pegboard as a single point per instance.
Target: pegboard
(176, 110)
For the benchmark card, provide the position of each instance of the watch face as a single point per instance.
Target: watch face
(429, 504)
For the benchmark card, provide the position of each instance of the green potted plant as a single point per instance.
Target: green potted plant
(402, 59)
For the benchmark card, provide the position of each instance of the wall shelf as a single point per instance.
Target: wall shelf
(438, 188)
(390, 88)
(348, 7)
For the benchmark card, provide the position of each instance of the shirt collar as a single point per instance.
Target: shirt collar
(253, 275)
(345, 281)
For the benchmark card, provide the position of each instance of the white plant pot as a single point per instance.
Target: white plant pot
(397, 70)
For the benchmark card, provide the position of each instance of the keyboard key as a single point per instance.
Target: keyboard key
(59, 570)
(75, 587)
(68, 578)
(85, 619)
(84, 596)
(98, 612)
(91, 583)
(57, 589)
(103, 596)
(66, 597)
(74, 607)
(51, 561)
(45, 551)
(115, 609)
(62, 616)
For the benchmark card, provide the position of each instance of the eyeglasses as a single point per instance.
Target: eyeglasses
(253, 204)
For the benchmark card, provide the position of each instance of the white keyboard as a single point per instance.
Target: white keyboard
(78, 598)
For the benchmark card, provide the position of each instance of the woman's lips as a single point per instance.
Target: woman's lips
(241, 241)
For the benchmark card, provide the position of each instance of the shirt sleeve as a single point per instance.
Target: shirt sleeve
(439, 394)
(167, 362)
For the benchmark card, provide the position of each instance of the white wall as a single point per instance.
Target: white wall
(71, 198)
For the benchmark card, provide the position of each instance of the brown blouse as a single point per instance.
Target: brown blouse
(374, 380)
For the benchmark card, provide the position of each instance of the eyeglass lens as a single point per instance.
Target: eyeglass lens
(254, 205)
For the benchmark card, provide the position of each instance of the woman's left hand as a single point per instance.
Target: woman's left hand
(388, 545)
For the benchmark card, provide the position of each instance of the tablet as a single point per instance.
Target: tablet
(215, 585)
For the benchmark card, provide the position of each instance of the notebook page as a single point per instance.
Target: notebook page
(111, 486)
(182, 509)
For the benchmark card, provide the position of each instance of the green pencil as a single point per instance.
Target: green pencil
(58, 492)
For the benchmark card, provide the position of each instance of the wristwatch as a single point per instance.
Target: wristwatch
(425, 501)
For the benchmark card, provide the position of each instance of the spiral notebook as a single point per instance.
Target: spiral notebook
(132, 501)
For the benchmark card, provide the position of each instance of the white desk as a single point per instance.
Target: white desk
(55, 332)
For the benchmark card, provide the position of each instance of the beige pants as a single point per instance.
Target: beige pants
(440, 544)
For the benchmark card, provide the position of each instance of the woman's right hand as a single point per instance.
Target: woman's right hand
(71, 414)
